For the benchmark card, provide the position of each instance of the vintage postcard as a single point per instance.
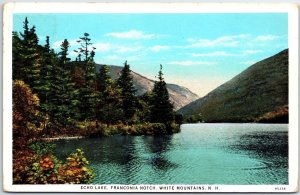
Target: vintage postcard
(150, 97)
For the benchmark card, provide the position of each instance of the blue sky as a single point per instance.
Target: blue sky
(198, 51)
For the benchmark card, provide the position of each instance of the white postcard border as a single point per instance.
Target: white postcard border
(293, 37)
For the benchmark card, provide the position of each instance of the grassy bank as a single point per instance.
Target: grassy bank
(95, 129)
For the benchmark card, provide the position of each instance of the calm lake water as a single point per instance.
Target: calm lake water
(199, 154)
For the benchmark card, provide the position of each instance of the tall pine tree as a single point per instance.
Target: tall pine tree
(87, 94)
(30, 65)
(44, 87)
(16, 56)
(161, 107)
(65, 92)
(108, 108)
(129, 100)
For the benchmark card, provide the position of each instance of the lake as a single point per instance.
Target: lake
(199, 154)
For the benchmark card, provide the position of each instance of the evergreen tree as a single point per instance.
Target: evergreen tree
(30, 68)
(108, 109)
(161, 108)
(84, 50)
(63, 54)
(87, 94)
(65, 92)
(143, 107)
(129, 100)
(44, 87)
(104, 80)
(16, 57)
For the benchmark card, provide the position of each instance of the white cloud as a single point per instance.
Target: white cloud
(265, 38)
(73, 54)
(132, 34)
(56, 44)
(190, 63)
(212, 54)
(158, 48)
(125, 49)
(102, 47)
(249, 52)
(116, 48)
(227, 41)
(73, 43)
(111, 57)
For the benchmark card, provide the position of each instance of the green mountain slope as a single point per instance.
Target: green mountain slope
(261, 88)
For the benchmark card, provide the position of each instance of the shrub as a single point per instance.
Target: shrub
(44, 168)
(27, 119)
(94, 129)
(42, 148)
(75, 170)
(22, 160)
(151, 129)
(281, 115)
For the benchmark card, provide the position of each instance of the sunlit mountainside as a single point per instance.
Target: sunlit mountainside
(260, 93)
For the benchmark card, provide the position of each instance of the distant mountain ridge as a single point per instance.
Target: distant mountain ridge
(179, 96)
(261, 88)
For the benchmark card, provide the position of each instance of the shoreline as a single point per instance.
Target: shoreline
(65, 137)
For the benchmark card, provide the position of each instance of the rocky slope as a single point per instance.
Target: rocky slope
(180, 96)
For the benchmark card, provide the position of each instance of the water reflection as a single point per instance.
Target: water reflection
(158, 147)
(120, 151)
(200, 154)
(271, 147)
(158, 144)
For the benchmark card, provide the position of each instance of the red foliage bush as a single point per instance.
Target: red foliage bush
(26, 115)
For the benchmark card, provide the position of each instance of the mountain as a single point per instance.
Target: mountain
(179, 96)
(260, 89)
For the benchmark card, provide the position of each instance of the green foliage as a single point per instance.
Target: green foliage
(260, 89)
(85, 50)
(108, 108)
(94, 129)
(194, 118)
(63, 54)
(66, 94)
(149, 129)
(161, 107)
(44, 87)
(27, 63)
(178, 119)
(44, 168)
(42, 148)
(144, 108)
(87, 96)
(125, 83)
(75, 170)
(88, 99)
(44, 171)
(17, 56)
(72, 91)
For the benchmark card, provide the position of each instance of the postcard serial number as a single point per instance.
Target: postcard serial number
(280, 188)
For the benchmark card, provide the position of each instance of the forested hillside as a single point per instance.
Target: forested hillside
(260, 93)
